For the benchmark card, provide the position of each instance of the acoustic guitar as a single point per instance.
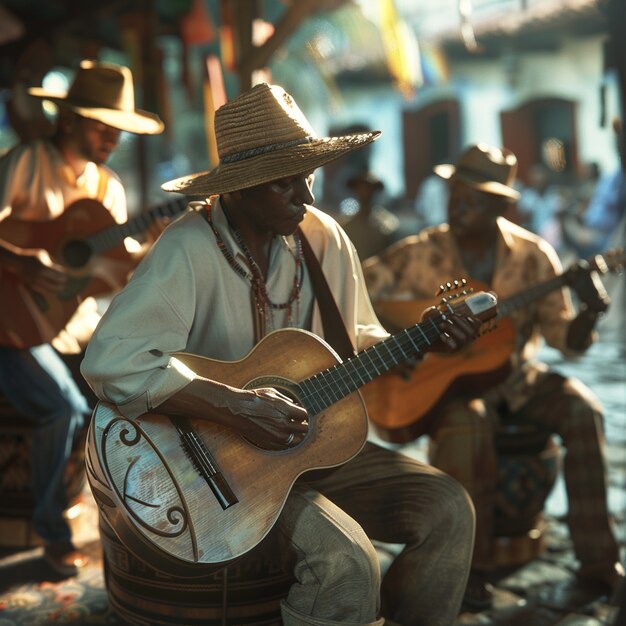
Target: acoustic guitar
(87, 243)
(195, 492)
(402, 408)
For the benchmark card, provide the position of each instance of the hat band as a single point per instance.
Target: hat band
(247, 154)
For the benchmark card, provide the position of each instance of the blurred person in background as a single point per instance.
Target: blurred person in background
(431, 201)
(39, 180)
(371, 229)
(541, 204)
(605, 215)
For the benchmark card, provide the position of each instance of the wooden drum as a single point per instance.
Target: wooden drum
(247, 592)
(528, 465)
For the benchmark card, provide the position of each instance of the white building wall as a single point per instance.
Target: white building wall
(485, 88)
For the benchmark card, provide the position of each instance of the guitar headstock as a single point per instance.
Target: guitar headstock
(462, 300)
(612, 260)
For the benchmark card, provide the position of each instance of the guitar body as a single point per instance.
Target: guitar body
(402, 409)
(29, 318)
(151, 493)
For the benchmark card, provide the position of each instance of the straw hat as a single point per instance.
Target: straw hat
(485, 168)
(104, 92)
(261, 136)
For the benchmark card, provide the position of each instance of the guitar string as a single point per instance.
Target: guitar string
(323, 385)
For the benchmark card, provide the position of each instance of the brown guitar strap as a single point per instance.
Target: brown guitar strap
(335, 331)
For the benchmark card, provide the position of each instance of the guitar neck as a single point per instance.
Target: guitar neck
(522, 299)
(602, 263)
(320, 391)
(114, 235)
(324, 389)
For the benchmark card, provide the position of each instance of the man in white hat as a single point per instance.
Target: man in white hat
(38, 181)
(480, 244)
(219, 280)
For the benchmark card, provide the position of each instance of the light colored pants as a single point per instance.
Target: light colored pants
(39, 385)
(326, 528)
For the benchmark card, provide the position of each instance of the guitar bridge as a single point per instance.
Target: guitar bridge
(204, 463)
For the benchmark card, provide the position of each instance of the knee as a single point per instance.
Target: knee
(457, 510)
(66, 409)
(450, 510)
(356, 563)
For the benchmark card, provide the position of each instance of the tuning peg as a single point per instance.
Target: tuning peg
(451, 286)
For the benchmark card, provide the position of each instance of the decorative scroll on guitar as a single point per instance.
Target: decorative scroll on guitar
(401, 408)
(86, 242)
(197, 492)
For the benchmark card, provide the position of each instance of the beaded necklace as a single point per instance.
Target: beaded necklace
(262, 305)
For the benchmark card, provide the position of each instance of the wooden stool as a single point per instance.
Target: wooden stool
(528, 465)
(245, 593)
(528, 460)
(16, 495)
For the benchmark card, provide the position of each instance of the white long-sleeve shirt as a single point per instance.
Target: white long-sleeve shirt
(184, 296)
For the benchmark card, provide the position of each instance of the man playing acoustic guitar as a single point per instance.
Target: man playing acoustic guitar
(38, 181)
(478, 243)
(216, 284)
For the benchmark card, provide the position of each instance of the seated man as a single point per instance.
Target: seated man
(478, 243)
(39, 181)
(215, 283)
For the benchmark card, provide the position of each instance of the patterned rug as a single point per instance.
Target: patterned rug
(32, 594)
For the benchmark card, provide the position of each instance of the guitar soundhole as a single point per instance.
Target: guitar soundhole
(76, 253)
(287, 388)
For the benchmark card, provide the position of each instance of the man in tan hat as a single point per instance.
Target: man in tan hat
(216, 283)
(38, 182)
(479, 244)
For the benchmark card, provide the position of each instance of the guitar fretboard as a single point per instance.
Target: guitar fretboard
(322, 390)
(609, 262)
(112, 236)
(520, 300)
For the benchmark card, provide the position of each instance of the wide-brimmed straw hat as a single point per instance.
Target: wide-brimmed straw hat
(485, 168)
(104, 92)
(262, 136)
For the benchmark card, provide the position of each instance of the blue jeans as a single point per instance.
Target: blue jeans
(38, 384)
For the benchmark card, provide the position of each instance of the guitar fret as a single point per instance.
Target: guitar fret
(116, 233)
(331, 389)
(418, 327)
(386, 345)
(434, 326)
(398, 344)
(319, 392)
(408, 334)
(367, 354)
(350, 363)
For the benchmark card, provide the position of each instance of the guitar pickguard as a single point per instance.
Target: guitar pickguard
(157, 505)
